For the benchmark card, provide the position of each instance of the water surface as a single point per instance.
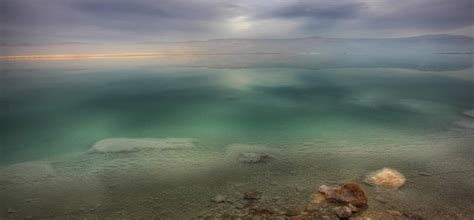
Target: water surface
(322, 118)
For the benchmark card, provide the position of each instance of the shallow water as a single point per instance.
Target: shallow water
(321, 118)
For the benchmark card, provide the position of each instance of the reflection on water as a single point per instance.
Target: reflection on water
(320, 118)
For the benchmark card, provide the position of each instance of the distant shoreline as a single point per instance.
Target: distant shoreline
(109, 56)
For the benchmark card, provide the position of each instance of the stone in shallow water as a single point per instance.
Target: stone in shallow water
(219, 198)
(394, 212)
(251, 157)
(293, 211)
(318, 198)
(342, 212)
(464, 124)
(252, 195)
(412, 216)
(387, 178)
(350, 193)
(117, 145)
(469, 113)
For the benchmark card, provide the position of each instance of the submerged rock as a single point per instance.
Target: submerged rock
(464, 124)
(318, 198)
(350, 193)
(252, 157)
(387, 178)
(117, 145)
(394, 212)
(469, 113)
(219, 198)
(10, 211)
(343, 212)
(412, 216)
(292, 211)
(252, 195)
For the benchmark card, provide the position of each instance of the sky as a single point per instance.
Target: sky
(43, 22)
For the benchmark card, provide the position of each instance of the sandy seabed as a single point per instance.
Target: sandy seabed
(151, 183)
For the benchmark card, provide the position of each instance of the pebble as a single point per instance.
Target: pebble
(425, 174)
(413, 216)
(381, 199)
(292, 212)
(300, 188)
(252, 195)
(218, 198)
(353, 208)
(343, 211)
(349, 193)
(252, 158)
(394, 212)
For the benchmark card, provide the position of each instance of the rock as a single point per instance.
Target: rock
(394, 212)
(387, 178)
(381, 199)
(292, 212)
(342, 212)
(325, 217)
(425, 174)
(10, 211)
(311, 207)
(219, 198)
(251, 157)
(119, 145)
(252, 195)
(353, 208)
(464, 124)
(469, 113)
(412, 216)
(318, 198)
(242, 212)
(300, 188)
(264, 211)
(350, 193)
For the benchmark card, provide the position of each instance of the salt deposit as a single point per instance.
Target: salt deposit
(387, 178)
(468, 124)
(116, 145)
(469, 113)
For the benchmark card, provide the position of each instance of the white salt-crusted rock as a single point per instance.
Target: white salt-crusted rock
(469, 113)
(116, 145)
(467, 124)
(387, 178)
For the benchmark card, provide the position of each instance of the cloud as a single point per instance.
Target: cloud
(55, 21)
(329, 10)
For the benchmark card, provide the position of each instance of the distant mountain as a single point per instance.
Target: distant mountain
(314, 45)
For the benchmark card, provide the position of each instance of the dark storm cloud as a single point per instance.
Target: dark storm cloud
(47, 21)
(145, 8)
(426, 14)
(317, 10)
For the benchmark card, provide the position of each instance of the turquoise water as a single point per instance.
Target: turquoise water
(316, 110)
(56, 107)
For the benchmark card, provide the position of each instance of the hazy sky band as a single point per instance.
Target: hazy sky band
(91, 21)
